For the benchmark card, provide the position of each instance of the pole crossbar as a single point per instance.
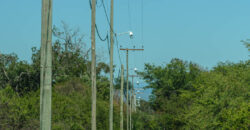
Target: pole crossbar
(134, 76)
(126, 49)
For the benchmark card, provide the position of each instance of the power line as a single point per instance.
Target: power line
(142, 21)
(108, 44)
(105, 11)
(102, 39)
(98, 33)
(106, 38)
(118, 50)
(107, 18)
(142, 28)
(129, 15)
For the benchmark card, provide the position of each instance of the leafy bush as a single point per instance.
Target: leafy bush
(71, 108)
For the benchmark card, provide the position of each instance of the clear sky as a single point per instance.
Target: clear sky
(203, 31)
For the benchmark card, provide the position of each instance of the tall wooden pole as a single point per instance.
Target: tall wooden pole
(133, 93)
(46, 66)
(93, 66)
(134, 101)
(127, 93)
(111, 65)
(131, 103)
(121, 99)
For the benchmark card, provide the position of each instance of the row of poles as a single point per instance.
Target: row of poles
(46, 70)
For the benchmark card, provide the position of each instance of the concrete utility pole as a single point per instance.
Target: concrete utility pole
(130, 112)
(139, 98)
(111, 65)
(121, 99)
(126, 49)
(127, 92)
(46, 66)
(93, 66)
(132, 105)
(134, 101)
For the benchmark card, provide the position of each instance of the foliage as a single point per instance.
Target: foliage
(246, 43)
(70, 59)
(18, 74)
(184, 96)
(71, 108)
(187, 97)
(19, 87)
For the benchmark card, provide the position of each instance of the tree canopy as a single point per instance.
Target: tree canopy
(184, 95)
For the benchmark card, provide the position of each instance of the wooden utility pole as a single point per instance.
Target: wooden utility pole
(135, 100)
(93, 66)
(127, 91)
(132, 105)
(46, 66)
(121, 99)
(139, 99)
(111, 65)
(126, 49)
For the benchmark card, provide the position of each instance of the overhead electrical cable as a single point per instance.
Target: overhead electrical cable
(129, 15)
(97, 30)
(142, 21)
(102, 39)
(118, 50)
(111, 29)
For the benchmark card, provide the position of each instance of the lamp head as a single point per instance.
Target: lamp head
(131, 34)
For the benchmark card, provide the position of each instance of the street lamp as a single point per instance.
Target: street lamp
(128, 32)
(138, 100)
(137, 82)
(134, 69)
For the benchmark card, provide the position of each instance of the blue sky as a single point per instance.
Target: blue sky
(202, 31)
